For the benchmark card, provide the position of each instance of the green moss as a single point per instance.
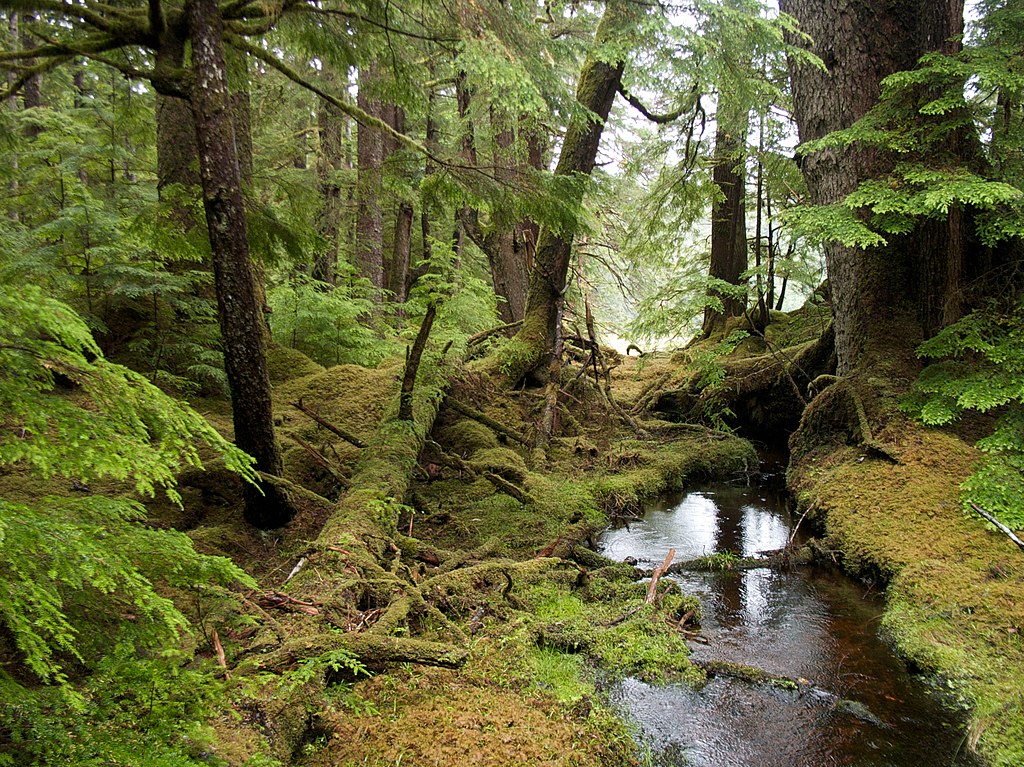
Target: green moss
(285, 364)
(466, 436)
(504, 462)
(954, 606)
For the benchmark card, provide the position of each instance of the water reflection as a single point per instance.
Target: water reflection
(808, 624)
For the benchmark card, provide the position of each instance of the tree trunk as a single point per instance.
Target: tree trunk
(599, 81)
(903, 289)
(239, 310)
(369, 246)
(507, 245)
(176, 150)
(397, 272)
(728, 215)
(330, 160)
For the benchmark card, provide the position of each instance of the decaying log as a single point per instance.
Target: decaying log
(348, 437)
(500, 483)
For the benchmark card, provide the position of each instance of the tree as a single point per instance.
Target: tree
(728, 216)
(238, 300)
(599, 82)
(910, 286)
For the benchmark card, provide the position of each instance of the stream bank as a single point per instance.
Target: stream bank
(831, 692)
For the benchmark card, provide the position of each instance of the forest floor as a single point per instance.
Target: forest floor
(494, 535)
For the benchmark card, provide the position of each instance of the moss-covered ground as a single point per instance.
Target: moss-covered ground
(497, 533)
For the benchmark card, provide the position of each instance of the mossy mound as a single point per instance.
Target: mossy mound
(286, 364)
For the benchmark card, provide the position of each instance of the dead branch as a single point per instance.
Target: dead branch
(320, 460)
(487, 421)
(1007, 531)
(656, 575)
(412, 364)
(483, 335)
(348, 437)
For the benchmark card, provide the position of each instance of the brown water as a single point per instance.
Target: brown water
(861, 706)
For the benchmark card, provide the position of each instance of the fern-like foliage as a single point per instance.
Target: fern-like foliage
(85, 609)
(980, 367)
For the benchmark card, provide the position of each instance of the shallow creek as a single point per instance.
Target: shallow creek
(860, 706)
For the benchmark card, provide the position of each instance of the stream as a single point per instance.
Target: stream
(860, 706)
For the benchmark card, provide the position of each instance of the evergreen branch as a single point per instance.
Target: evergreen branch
(113, 20)
(358, 17)
(357, 114)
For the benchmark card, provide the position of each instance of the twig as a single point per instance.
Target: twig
(1009, 533)
(350, 438)
(656, 575)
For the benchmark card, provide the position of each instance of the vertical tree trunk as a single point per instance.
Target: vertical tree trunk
(176, 150)
(239, 310)
(875, 292)
(369, 245)
(599, 82)
(330, 160)
(398, 268)
(728, 215)
(507, 247)
(12, 105)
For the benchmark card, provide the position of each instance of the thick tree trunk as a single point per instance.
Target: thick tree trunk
(238, 306)
(369, 246)
(728, 215)
(599, 82)
(909, 284)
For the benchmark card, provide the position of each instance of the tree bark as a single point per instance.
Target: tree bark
(369, 246)
(397, 271)
(880, 292)
(239, 310)
(599, 82)
(330, 160)
(728, 215)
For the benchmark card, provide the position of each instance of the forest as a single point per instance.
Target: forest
(336, 333)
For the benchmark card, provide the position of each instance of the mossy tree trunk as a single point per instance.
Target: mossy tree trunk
(910, 287)
(239, 308)
(599, 82)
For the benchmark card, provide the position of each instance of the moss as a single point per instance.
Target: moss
(504, 462)
(285, 364)
(466, 437)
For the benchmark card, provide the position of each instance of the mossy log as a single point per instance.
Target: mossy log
(355, 574)
(758, 391)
